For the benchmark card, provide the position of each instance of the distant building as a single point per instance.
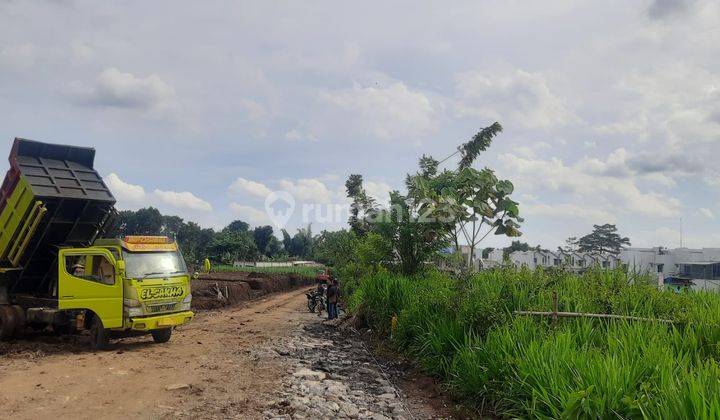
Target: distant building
(573, 261)
(698, 269)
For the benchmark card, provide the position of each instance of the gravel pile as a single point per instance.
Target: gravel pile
(332, 376)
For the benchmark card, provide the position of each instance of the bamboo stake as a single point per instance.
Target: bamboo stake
(554, 315)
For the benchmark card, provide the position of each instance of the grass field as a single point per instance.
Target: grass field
(302, 270)
(464, 332)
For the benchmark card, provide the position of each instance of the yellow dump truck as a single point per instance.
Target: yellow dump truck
(57, 270)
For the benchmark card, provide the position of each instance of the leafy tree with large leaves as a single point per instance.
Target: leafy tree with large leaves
(473, 203)
(602, 239)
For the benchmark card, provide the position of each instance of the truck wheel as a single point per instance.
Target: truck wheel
(20, 313)
(99, 338)
(8, 322)
(161, 336)
(64, 329)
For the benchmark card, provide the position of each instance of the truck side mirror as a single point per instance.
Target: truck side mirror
(120, 265)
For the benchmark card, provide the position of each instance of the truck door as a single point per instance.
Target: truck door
(89, 279)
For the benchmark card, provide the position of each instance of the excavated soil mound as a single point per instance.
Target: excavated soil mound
(215, 290)
(211, 294)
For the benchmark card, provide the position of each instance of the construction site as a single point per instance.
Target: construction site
(77, 311)
(359, 210)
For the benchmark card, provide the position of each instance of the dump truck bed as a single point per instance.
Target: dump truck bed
(51, 197)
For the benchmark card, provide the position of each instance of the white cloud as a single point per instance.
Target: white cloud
(124, 191)
(18, 57)
(249, 214)
(131, 196)
(246, 186)
(386, 112)
(113, 88)
(184, 199)
(522, 97)
(706, 212)
(566, 210)
(379, 190)
(308, 190)
(297, 135)
(255, 111)
(590, 182)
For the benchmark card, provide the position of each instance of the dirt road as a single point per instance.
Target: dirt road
(268, 359)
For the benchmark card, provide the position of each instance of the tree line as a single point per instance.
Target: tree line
(237, 241)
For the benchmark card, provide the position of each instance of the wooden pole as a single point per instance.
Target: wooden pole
(554, 315)
(555, 307)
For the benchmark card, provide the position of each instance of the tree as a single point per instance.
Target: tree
(146, 221)
(440, 208)
(411, 236)
(237, 226)
(274, 247)
(262, 236)
(603, 238)
(479, 143)
(299, 245)
(362, 206)
(334, 248)
(194, 241)
(477, 202)
(229, 246)
(515, 246)
(171, 225)
(571, 245)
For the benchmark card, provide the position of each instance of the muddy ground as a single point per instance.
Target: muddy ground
(268, 358)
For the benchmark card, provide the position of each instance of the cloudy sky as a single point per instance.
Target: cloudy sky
(611, 109)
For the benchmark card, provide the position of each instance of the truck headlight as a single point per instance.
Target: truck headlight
(135, 311)
(185, 304)
(131, 303)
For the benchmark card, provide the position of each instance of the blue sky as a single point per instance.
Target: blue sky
(611, 109)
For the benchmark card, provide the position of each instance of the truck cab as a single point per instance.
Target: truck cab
(127, 286)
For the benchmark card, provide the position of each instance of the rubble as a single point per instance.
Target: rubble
(332, 375)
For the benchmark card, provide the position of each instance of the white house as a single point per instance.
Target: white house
(575, 261)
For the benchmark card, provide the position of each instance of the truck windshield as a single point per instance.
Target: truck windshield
(153, 264)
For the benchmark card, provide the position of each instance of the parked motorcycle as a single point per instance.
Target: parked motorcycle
(315, 301)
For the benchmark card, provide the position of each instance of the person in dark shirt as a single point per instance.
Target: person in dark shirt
(332, 293)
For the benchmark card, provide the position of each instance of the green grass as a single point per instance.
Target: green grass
(302, 270)
(464, 332)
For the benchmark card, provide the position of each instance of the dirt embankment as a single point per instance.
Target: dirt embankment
(215, 290)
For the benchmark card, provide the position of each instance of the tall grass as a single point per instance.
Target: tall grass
(464, 332)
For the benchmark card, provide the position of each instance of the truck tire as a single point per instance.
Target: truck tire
(99, 337)
(161, 336)
(20, 313)
(8, 322)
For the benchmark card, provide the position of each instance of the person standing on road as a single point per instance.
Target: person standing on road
(332, 293)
